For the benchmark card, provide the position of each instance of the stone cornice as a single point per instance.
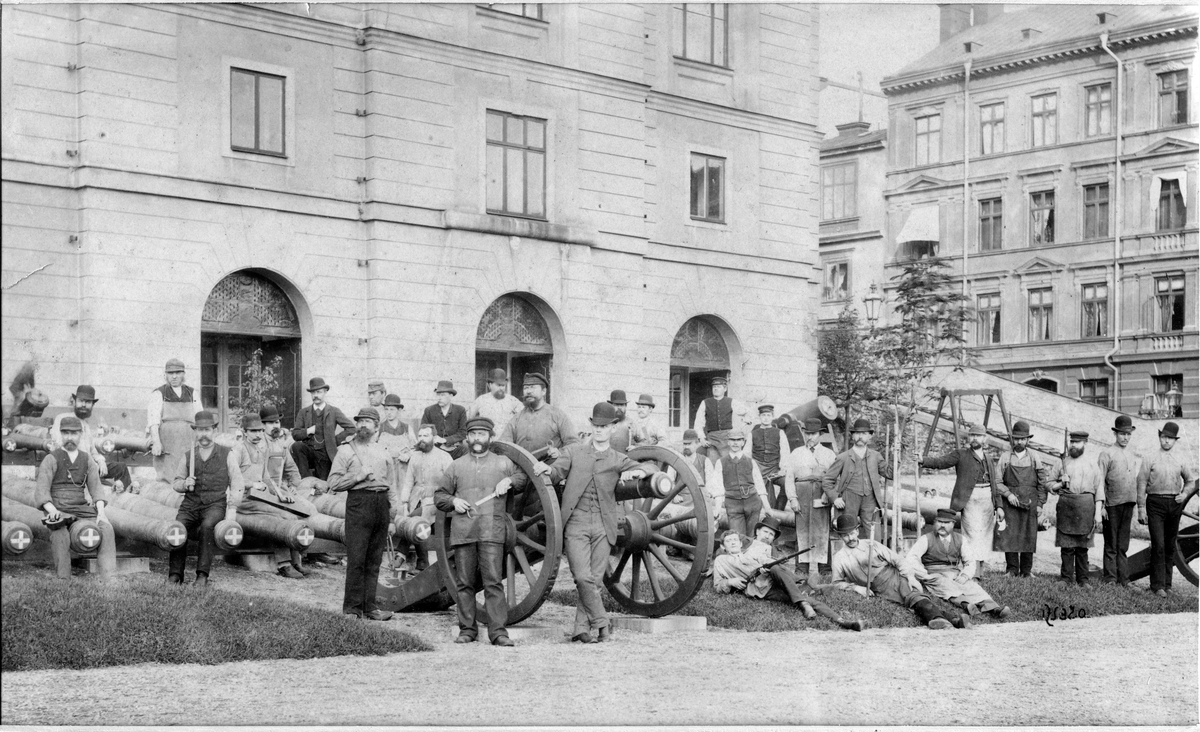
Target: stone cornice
(732, 117)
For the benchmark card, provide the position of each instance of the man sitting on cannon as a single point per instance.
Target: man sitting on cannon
(62, 479)
(82, 402)
(935, 560)
(210, 479)
(751, 567)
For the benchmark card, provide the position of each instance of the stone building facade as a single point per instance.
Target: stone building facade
(619, 196)
(1072, 184)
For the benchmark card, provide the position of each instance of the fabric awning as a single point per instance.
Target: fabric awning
(1156, 185)
(923, 225)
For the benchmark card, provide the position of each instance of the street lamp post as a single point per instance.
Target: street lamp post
(871, 303)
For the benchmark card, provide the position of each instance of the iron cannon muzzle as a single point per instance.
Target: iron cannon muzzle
(85, 536)
(227, 534)
(16, 537)
(114, 442)
(653, 486)
(14, 441)
(413, 529)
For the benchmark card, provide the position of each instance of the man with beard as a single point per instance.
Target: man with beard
(395, 437)
(621, 434)
(376, 392)
(448, 419)
(364, 470)
(210, 477)
(716, 417)
(424, 472)
(974, 486)
(319, 429)
(82, 402)
(496, 403)
(62, 478)
(540, 424)
(1119, 466)
(738, 485)
(804, 469)
(1022, 484)
(472, 491)
(854, 482)
(169, 417)
(1080, 500)
(645, 429)
(935, 560)
(270, 474)
(1165, 485)
(768, 445)
(589, 513)
(871, 569)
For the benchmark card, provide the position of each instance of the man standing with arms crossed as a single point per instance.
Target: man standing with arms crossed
(1119, 466)
(804, 470)
(1165, 485)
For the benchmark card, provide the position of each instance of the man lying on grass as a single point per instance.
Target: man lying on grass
(740, 567)
(935, 560)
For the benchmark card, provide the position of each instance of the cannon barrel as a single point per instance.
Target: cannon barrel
(85, 536)
(651, 486)
(14, 441)
(908, 502)
(413, 529)
(15, 536)
(20, 489)
(166, 535)
(312, 486)
(18, 512)
(331, 504)
(822, 408)
(113, 442)
(295, 534)
(327, 527)
(143, 506)
(228, 534)
(162, 492)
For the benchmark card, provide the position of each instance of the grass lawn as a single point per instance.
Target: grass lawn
(83, 623)
(1027, 598)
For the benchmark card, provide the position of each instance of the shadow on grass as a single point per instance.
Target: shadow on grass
(84, 623)
(1027, 598)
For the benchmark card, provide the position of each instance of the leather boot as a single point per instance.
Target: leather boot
(930, 616)
(850, 624)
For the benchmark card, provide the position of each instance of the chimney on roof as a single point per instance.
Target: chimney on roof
(972, 46)
(1103, 17)
(853, 128)
(1027, 33)
(955, 18)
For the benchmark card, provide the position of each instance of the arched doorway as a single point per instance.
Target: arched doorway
(698, 353)
(514, 336)
(249, 349)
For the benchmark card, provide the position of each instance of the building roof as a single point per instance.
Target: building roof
(849, 139)
(1043, 32)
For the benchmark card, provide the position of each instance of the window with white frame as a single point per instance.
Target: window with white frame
(1095, 211)
(928, 139)
(1043, 118)
(839, 191)
(1099, 109)
(837, 281)
(1172, 211)
(991, 224)
(991, 128)
(1041, 315)
(257, 114)
(1041, 218)
(1094, 311)
(1173, 98)
(516, 165)
(1169, 296)
(701, 32)
(988, 308)
(708, 188)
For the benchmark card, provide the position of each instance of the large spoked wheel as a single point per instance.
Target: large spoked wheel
(531, 566)
(1187, 549)
(663, 543)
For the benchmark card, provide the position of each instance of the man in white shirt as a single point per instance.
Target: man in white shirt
(737, 484)
(803, 470)
(170, 416)
(935, 560)
(717, 416)
(496, 403)
(645, 428)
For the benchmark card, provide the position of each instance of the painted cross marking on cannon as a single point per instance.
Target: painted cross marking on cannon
(20, 540)
(89, 537)
(176, 536)
(305, 536)
(233, 535)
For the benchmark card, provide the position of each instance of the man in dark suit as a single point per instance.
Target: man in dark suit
(448, 419)
(854, 483)
(317, 434)
(589, 510)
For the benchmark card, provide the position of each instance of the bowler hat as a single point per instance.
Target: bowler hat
(977, 429)
(862, 425)
(1021, 429)
(720, 380)
(766, 408)
(70, 423)
(534, 377)
(1079, 436)
(173, 365)
(316, 383)
(269, 413)
(812, 424)
(1170, 429)
(945, 514)
(367, 413)
(85, 392)
(497, 376)
(737, 433)
(375, 385)
(845, 523)
(603, 413)
(481, 423)
(617, 397)
(393, 400)
(1124, 425)
(252, 422)
(205, 418)
(445, 386)
(645, 400)
(691, 436)
(770, 522)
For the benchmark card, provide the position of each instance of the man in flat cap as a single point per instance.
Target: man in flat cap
(646, 429)
(62, 479)
(272, 481)
(1165, 485)
(395, 437)
(169, 415)
(496, 403)
(717, 416)
(1022, 483)
(210, 478)
(620, 429)
(1119, 466)
(738, 485)
(540, 424)
(1077, 516)
(935, 560)
(376, 392)
(590, 511)
(320, 428)
(82, 402)
(363, 469)
(768, 447)
(473, 492)
(804, 469)
(448, 419)
(974, 485)
(854, 482)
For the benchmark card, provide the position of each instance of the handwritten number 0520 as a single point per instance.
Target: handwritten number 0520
(1062, 613)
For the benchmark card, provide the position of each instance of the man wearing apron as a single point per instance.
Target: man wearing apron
(1080, 500)
(803, 470)
(170, 416)
(1023, 482)
(974, 486)
(716, 417)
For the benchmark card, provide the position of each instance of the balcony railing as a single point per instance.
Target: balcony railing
(1159, 242)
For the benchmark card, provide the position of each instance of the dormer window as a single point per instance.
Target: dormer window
(1030, 33)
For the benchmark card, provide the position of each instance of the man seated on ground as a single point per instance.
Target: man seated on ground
(935, 560)
(739, 566)
(869, 568)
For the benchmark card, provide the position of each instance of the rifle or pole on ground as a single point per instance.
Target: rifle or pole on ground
(781, 560)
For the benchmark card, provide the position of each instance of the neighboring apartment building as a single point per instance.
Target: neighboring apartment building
(1080, 186)
(618, 196)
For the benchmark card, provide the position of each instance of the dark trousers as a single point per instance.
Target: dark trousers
(200, 521)
(743, 513)
(476, 564)
(1162, 514)
(1116, 542)
(785, 588)
(1019, 563)
(366, 536)
(1075, 564)
(119, 471)
(106, 552)
(313, 462)
(865, 507)
(776, 494)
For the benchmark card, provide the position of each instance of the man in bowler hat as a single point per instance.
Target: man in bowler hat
(320, 428)
(1165, 485)
(1119, 467)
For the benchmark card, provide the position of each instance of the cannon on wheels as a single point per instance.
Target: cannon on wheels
(1186, 556)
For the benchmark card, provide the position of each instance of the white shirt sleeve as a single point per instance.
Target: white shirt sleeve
(715, 484)
(698, 425)
(154, 409)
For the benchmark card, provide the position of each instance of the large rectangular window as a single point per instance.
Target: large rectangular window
(839, 192)
(1041, 315)
(1172, 212)
(837, 281)
(1094, 311)
(708, 188)
(700, 32)
(991, 128)
(1044, 119)
(991, 224)
(1094, 391)
(516, 165)
(1099, 110)
(525, 10)
(1095, 211)
(989, 319)
(1173, 98)
(928, 130)
(1169, 295)
(1041, 218)
(256, 112)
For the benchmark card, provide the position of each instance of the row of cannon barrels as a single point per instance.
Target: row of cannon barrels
(38, 439)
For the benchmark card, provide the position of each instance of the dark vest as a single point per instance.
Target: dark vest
(737, 474)
(943, 553)
(764, 445)
(168, 394)
(66, 487)
(718, 415)
(212, 476)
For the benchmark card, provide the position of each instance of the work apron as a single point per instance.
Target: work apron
(812, 522)
(175, 433)
(978, 519)
(1020, 535)
(1074, 518)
